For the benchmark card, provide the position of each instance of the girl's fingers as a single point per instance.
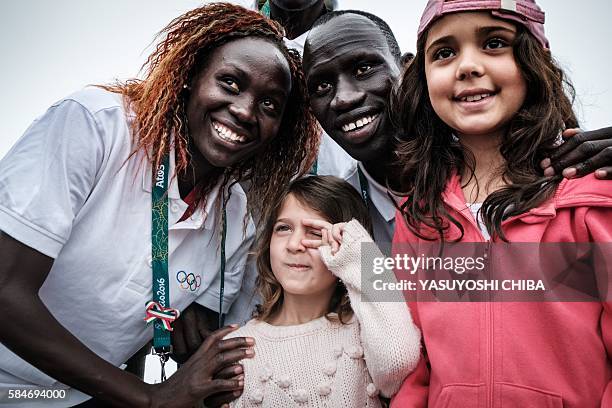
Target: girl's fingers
(312, 243)
(337, 230)
(316, 243)
(332, 242)
(324, 237)
(319, 224)
(331, 234)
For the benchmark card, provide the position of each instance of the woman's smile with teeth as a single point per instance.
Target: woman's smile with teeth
(227, 134)
(358, 123)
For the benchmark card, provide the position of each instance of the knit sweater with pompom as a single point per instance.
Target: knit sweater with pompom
(324, 363)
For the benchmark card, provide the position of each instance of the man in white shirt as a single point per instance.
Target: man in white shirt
(298, 16)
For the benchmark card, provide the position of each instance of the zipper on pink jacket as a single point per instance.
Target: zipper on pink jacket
(489, 313)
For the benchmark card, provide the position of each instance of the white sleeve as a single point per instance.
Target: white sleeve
(47, 176)
(390, 339)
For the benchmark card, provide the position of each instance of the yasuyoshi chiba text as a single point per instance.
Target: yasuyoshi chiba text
(461, 284)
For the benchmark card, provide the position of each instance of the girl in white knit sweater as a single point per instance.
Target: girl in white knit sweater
(314, 347)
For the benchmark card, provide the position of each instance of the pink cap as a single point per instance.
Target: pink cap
(525, 12)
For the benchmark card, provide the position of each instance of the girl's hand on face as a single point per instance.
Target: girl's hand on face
(317, 225)
(581, 154)
(328, 239)
(331, 234)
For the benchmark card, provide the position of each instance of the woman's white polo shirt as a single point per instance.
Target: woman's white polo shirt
(70, 190)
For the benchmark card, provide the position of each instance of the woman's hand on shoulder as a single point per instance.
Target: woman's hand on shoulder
(213, 370)
(331, 234)
(191, 329)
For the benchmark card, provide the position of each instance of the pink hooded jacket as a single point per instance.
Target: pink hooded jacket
(552, 354)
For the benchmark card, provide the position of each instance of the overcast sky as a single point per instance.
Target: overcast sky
(52, 48)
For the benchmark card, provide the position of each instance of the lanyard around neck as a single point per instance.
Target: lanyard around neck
(364, 186)
(158, 310)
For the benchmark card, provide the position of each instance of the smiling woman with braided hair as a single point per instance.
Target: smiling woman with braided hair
(118, 193)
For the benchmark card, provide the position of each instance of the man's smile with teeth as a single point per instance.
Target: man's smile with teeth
(227, 134)
(358, 123)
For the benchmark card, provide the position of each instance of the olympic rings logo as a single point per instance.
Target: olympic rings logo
(188, 281)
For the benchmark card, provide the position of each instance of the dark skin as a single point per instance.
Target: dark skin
(350, 75)
(242, 89)
(234, 108)
(350, 72)
(297, 16)
(194, 327)
(581, 154)
(37, 337)
(335, 61)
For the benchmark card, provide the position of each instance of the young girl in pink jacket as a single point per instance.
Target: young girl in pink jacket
(481, 105)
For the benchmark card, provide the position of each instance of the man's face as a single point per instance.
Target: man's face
(350, 73)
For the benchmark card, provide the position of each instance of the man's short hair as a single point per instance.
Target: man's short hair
(380, 23)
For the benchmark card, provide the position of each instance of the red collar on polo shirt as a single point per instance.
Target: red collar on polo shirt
(192, 202)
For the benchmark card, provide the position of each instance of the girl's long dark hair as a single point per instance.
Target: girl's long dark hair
(429, 154)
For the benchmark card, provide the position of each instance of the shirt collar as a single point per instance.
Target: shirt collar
(202, 216)
(147, 177)
(378, 194)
